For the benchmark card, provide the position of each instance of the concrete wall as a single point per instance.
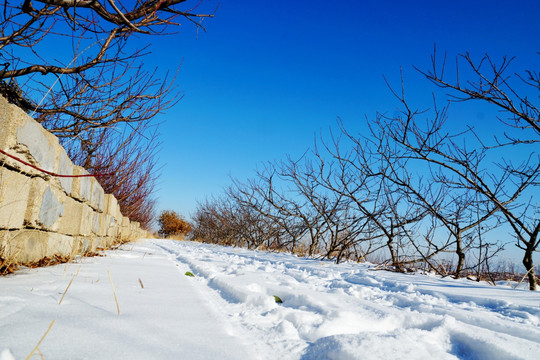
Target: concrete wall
(42, 215)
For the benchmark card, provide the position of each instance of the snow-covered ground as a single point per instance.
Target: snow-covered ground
(228, 309)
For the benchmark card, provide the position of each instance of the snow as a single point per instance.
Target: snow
(228, 310)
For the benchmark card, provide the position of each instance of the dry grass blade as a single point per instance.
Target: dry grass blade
(40, 354)
(41, 340)
(65, 292)
(524, 276)
(140, 282)
(114, 292)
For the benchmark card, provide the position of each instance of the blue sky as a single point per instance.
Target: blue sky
(266, 77)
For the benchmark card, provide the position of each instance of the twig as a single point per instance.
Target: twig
(140, 282)
(121, 14)
(59, 77)
(42, 338)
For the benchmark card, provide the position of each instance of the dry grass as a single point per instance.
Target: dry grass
(65, 292)
(7, 263)
(50, 260)
(7, 267)
(114, 292)
(36, 348)
(176, 237)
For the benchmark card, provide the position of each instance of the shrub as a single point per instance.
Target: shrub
(172, 224)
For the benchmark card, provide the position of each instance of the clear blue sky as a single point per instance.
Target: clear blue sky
(267, 76)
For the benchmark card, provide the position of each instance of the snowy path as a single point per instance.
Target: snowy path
(167, 319)
(329, 311)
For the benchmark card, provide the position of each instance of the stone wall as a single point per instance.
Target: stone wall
(43, 215)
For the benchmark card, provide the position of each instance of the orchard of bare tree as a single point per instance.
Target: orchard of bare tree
(415, 192)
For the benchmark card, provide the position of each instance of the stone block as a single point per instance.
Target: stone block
(113, 227)
(29, 245)
(42, 145)
(51, 209)
(136, 232)
(125, 229)
(135, 229)
(97, 200)
(14, 194)
(84, 244)
(10, 124)
(106, 242)
(116, 214)
(119, 214)
(104, 225)
(125, 223)
(99, 224)
(25, 138)
(109, 204)
(65, 167)
(71, 223)
(59, 244)
(79, 219)
(86, 221)
(46, 207)
(81, 188)
(12, 119)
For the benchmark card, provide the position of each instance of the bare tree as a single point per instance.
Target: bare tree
(101, 81)
(130, 157)
(360, 177)
(300, 220)
(77, 66)
(456, 208)
(212, 223)
(287, 231)
(489, 81)
(504, 182)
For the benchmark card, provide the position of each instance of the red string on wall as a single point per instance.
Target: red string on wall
(49, 172)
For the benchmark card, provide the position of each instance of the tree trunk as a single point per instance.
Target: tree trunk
(461, 257)
(395, 262)
(312, 247)
(529, 265)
